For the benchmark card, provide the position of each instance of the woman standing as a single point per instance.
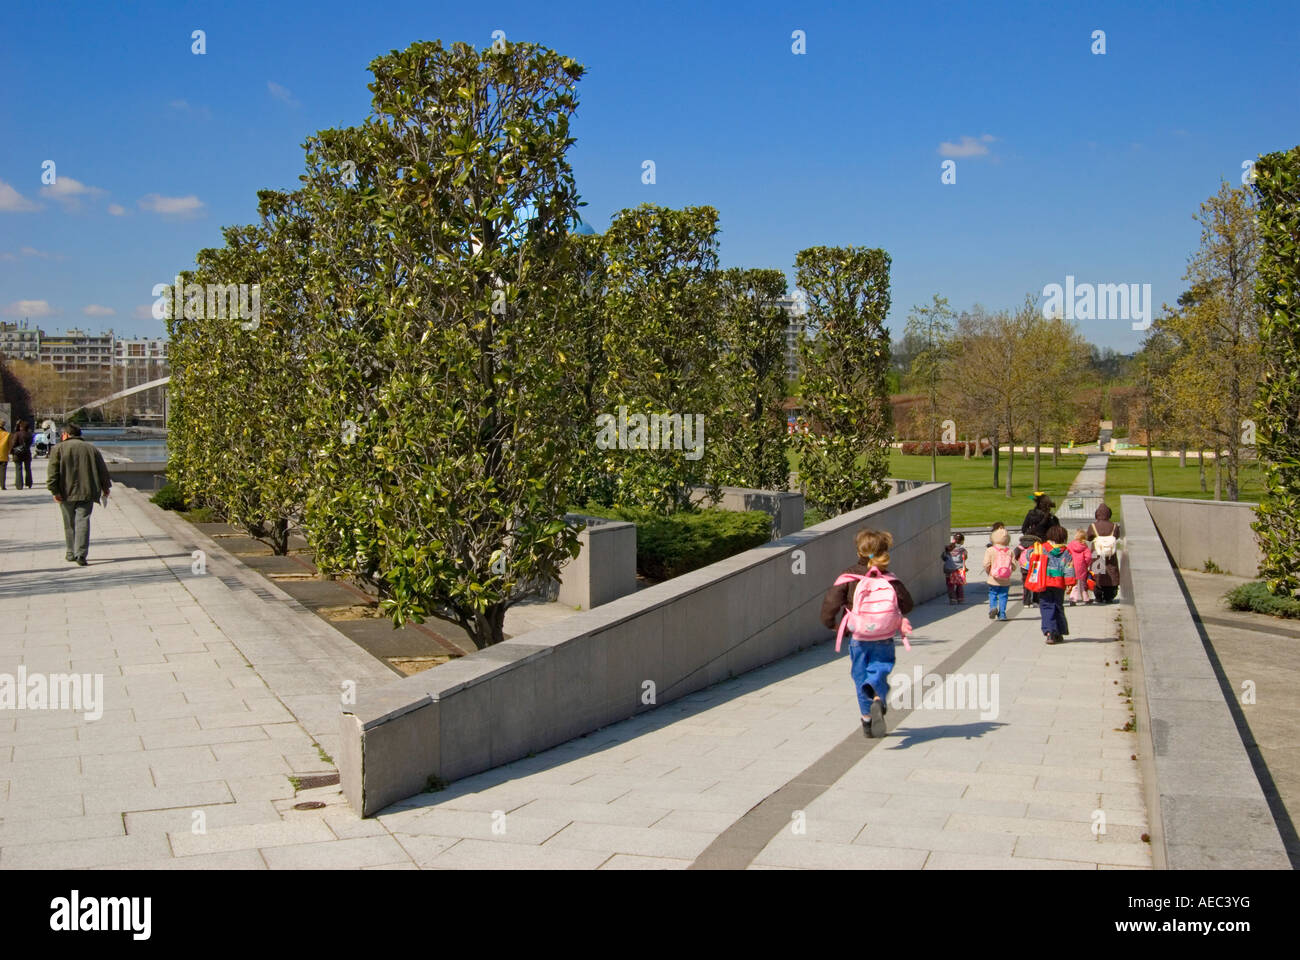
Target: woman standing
(1033, 530)
(1102, 536)
(21, 454)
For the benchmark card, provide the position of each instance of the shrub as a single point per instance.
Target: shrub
(668, 546)
(922, 448)
(169, 497)
(1256, 597)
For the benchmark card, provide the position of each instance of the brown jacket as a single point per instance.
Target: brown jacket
(838, 597)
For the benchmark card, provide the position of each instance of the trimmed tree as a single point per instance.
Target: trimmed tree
(749, 446)
(1277, 187)
(844, 370)
(439, 412)
(662, 351)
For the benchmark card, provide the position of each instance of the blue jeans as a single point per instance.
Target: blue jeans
(998, 598)
(871, 662)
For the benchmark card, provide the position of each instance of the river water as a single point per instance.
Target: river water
(114, 446)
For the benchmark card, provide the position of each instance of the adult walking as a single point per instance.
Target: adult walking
(1103, 537)
(78, 476)
(21, 454)
(1033, 530)
(6, 441)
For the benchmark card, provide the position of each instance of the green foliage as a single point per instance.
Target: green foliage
(1257, 597)
(844, 371)
(672, 544)
(435, 285)
(748, 448)
(170, 497)
(662, 347)
(1277, 187)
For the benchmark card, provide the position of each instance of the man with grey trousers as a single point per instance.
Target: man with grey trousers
(77, 476)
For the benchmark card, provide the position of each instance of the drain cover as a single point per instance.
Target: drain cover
(309, 805)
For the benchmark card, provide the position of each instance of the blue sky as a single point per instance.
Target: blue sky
(1067, 162)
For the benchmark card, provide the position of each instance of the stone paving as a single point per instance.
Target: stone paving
(218, 688)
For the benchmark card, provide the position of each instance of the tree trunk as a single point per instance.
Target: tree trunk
(1182, 456)
(1011, 463)
(1038, 451)
(488, 627)
(934, 451)
(1200, 457)
(1218, 475)
(1151, 470)
(996, 455)
(1056, 454)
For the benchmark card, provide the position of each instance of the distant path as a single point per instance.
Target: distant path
(1087, 491)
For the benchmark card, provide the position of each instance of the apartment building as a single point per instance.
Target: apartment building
(20, 342)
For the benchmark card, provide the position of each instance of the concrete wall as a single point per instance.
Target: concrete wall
(1206, 807)
(142, 475)
(1194, 531)
(605, 569)
(549, 685)
(785, 509)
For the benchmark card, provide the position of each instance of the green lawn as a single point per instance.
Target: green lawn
(974, 500)
(1129, 475)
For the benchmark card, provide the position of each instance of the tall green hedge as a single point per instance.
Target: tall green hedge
(1277, 186)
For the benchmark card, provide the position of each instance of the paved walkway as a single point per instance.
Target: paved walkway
(1079, 506)
(219, 688)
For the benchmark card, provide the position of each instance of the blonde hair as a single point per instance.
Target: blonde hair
(1081, 534)
(873, 547)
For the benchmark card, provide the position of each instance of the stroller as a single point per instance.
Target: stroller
(41, 445)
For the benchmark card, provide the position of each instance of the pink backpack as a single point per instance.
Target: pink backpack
(873, 613)
(1002, 565)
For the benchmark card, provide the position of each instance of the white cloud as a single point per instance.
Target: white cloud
(69, 192)
(116, 209)
(6, 255)
(33, 252)
(28, 308)
(187, 206)
(97, 310)
(968, 147)
(11, 201)
(281, 93)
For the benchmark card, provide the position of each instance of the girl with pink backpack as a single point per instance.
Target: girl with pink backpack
(999, 564)
(875, 605)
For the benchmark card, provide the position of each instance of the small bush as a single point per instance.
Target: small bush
(201, 515)
(813, 516)
(1256, 597)
(922, 448)
(1212, 567)
(169, 497)
(668, 546)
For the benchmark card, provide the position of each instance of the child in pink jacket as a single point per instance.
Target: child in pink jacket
(1081, 554)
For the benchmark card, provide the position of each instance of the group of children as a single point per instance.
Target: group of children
(875, 603)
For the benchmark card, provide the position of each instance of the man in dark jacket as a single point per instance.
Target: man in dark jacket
(77, 477)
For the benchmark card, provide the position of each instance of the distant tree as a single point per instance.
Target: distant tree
(932, 327)
(14, 393)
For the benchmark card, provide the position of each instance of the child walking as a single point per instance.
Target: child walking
(954, 568)
(1051, 602)
(999, 564)
(873, 616)
(1081, 555)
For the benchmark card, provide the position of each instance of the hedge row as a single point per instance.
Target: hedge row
(668, 546)
(945, 449)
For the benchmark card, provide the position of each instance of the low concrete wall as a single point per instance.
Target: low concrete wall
(549, 685)
(1205, 804)
(1194, 531)
(139, 475)
(785, 509)
(605, 569)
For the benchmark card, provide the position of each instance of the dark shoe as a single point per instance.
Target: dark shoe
(81, 561)
(70, 559)
(866, 729)
(993, 614)
(878, 728)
